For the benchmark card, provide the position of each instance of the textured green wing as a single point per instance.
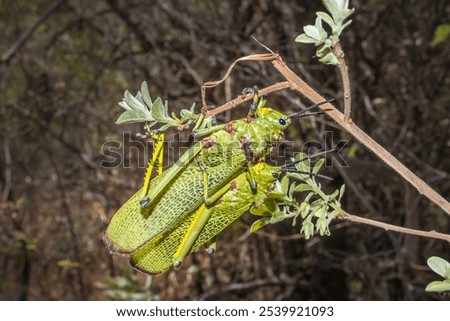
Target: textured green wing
(157, 256)
(132, 226)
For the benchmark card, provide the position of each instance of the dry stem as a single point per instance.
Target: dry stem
(302, 87)
(343, 70)
(389, 227)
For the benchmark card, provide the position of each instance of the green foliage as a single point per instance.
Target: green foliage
(316, 210)
(441, 34)
(441, 267)
(317, 35)
(141, 108)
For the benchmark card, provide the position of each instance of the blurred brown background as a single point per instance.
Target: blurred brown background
(64, 66)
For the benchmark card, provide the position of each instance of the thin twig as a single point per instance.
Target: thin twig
(389, 227)
(239, 100)
(302, 87)
(27, 34)
(294, 82)
(8, 170)
(343, 70)
(211, 84)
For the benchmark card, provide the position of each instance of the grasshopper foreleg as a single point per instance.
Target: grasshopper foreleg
(246, 145)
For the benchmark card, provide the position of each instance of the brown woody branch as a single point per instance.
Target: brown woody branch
(302, 87)
(389, 227)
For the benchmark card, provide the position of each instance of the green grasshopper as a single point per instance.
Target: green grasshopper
(200, 176)
(170, 248)
(240, 143)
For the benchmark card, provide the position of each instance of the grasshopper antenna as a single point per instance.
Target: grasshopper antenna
(309, 157)
(288, 169)
(306, 112)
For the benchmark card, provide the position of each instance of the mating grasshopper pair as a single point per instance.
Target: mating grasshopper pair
(212, 184)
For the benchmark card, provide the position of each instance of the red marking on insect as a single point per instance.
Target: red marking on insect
(233, 186)
(229, 128)
(208, 141)
(250, 118)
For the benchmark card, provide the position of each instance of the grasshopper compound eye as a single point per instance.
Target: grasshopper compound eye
(282, 121)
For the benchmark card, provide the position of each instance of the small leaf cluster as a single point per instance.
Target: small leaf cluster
(317, 35)
(441, 267)
(141, 108)
(317, 208)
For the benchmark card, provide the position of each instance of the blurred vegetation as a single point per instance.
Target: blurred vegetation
(65, 64)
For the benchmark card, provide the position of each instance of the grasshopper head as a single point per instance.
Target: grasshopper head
(266, 174)
(273, 119)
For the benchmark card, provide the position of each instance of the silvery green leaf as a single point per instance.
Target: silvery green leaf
(303, 166)
(308, 197)
(124, 105)
(343, 27)
(304, 39)
(332, 5)
(145, 94)
(265, 209)
(438, 286)
(165, 126)
(326, 17)
(333, 214)
(301, 156)
(320, 210)
(139, 98)
(303, 188)
(340, 16)
(284, 184)
(158, 109)
(345, 5)
(439, 266)
(329, 59)
(322, 33)
(318, 165)
(333, 196)
(257, 225)
(291, 189)
(323, 51)
(306, 210)
(321, 226)
(183, 113)
(341, 192)
(312, 32)
(307, 229)
(277, 217)
(133, 102)
(175, 116)
(166, 109)
(134, 116)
